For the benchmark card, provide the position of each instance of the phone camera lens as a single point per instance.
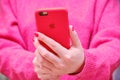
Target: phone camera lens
(43, 13)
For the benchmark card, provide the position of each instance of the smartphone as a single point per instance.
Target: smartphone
(54, 23)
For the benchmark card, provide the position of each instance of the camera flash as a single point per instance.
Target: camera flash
(45, 13)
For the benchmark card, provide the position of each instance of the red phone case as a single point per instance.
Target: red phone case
(54, 23)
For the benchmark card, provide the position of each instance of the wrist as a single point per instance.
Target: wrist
(78, 70)
(81, 66)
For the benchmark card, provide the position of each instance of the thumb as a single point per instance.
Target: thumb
(74, 38)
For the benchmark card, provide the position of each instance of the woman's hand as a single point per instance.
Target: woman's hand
(42, 72)
(67, 61)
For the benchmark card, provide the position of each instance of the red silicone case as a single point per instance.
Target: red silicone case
(54, 23)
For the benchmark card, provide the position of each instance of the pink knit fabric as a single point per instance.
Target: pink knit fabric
(97, 23)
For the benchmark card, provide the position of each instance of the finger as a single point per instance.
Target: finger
(36, 63)
(74, 38)
(38, 56)
(47, 64)
(55, 46)
(49, 77)
(42, 76)
(45, 77)
(36, 42)
(44, 70)
(49, 56)
(36, 52)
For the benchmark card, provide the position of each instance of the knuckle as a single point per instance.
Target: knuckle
(42, 62)
(36, 70)
(36, 52)
(34, 60)
(53, 46)
(38, 49)
(42, 37)
(39, 76)
(61, 66)
(68, 57)
(45, 55)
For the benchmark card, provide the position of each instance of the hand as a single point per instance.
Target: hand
(67, 60)
(42, 72)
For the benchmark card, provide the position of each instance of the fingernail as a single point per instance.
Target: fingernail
(36, 34)
(73, 28)
(33, 40)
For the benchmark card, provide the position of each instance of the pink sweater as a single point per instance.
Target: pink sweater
(97, 23)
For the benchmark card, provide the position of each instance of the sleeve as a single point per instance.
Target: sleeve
(15, 60)
(103, 55)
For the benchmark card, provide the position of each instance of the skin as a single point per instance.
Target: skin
(48, 66)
